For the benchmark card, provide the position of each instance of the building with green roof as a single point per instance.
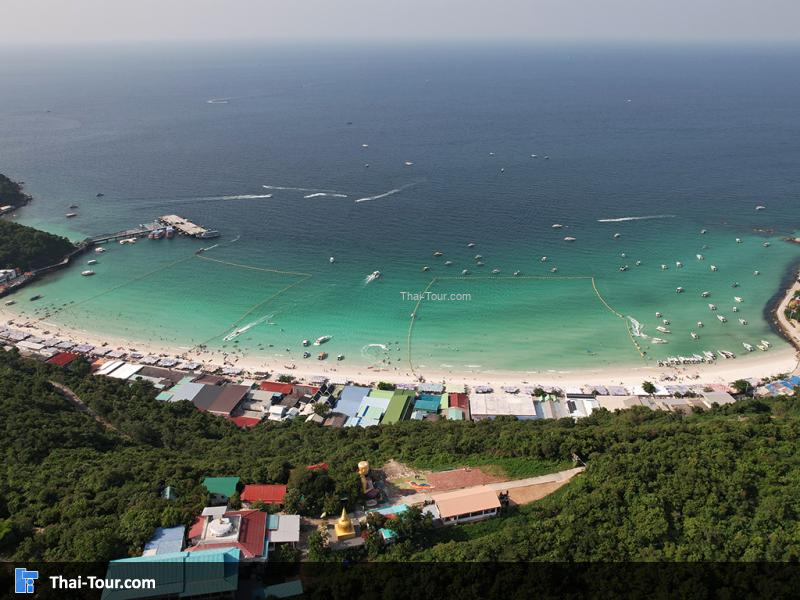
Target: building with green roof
(177, 574)
(221, 488)
(382, 394)
(400, 407)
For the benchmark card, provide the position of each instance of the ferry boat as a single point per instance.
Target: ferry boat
(87, 273)
(322, 339)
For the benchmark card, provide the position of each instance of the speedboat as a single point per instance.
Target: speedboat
(554, 270)
(712, 307)
(699, 256)
(426, 268)
(765, 244)
(557, 226)
(756, 273)
(678, 264)
(743, 321)
(623, 255)
(373, 276)
(738, 298)
(623, 268)
(766, 343)
(71, 215)
(617, 236)
(478, 257)
(73, 206)
(747, 346)
(569, 239)
(735, 309)
(306, 342)
(663, 329)
(703, 231)
(722, 318)
(665, 321)
(738, 240)
(447, 263)
(658, 315)
(87, 273)
(700, 324)
(99, 250)
(480, 263)
(656, 340)
(543, 259)
(694, 335)
(408, 163)
(713, 267)
(517, 273)
(322, 339)
(760, 207)
(332, 260)
(735, 284)
(679, 290)
(761, 347)
(10, 302)
(438, 253)
(306, 354)
(471, 245)
(664, 267)
(705, 294)
(495, 271)
(91, 262)
(340, 357)
(638, 263)
(465, 272)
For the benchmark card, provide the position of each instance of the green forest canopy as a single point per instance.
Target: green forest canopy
(11, 193)
(28, 248)
(721, 485)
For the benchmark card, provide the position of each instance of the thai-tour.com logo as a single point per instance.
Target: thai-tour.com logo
(24, 580)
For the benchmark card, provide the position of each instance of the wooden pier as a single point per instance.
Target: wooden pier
(181, 225)
(137, 232)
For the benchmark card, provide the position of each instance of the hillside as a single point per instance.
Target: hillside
(719, 485)
(28, 248)
(11, 193)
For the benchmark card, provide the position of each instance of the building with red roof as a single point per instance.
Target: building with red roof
(244, 422)
(459, 401)
(242, 529)
(62, 359)
(273, 386)
(271, 493)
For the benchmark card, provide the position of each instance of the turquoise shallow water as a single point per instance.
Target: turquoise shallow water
(706, 136)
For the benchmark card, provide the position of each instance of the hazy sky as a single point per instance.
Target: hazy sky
(58, 21)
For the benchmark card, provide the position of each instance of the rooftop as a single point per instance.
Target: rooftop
(461, 502)
(266, 493)
(223, 486)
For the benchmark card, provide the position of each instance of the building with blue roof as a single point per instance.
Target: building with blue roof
(350, 399)
(177, 574)
(166, 540)
(427, 403)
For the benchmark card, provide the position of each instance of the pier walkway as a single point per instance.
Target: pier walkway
(137, 232)
(186, 227)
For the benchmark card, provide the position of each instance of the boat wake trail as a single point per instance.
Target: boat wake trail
(386, 194)
(637, 328)
(644, 218)
(325, 194)
(300, 189)
(236, 333)
(242, 197)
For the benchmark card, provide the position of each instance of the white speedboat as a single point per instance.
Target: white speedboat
(756, 273)
(332, 259)
(678, 264)
(658, 314)
(760, 207)
(438, 253)
(679, 290)
(373, 276)
(617, 236)
(663, 329)
(694, 335)
(665, 321)
(735, 309)
(340, 357)
(306, 342)
(517, 273)
(738, 299)
(465, 272)
(664, 267)
(543, 259)
(623, 268)
(91, 262)
(99, 250)
(761, 347)
(703, 231)
(10, 302)
(713, 267)
(743, 321)
(705, 294)
(556, 226)
(638, 263)
(656, 340)
(765, 343)
(408, 163)
(471, 245)
(738, 240)
(554, 270)
(722, 318)
(322, 339)
(569, 239)
(699, 256)
(87, 273)
(478, 257)
(426, 268)
(766, 244)
(747, 346)
(700, 324)
(495, 271)
(447, 263)
(712, 307)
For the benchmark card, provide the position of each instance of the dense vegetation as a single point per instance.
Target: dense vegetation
(716, 485)
(11, 193)
(28, 248)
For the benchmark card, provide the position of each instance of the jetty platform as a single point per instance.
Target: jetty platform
(186, 227)
(142, 230)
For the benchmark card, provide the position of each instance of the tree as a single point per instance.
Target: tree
(743, 387)
(648, 387)
(389, 387)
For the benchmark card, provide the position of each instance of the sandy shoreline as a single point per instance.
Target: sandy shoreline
(756, 365)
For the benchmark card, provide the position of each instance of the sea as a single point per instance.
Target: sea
(380, 156)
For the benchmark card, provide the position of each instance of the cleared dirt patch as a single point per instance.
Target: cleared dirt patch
(443, 481)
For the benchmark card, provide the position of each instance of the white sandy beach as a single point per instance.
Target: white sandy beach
(778, 360)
